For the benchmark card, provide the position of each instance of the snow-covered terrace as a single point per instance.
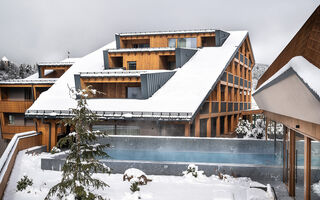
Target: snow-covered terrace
(29, 81)
(119, 73)
(167, 32)
(178, 99)
(126, 50)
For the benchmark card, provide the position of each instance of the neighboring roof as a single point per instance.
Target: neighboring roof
(36, 75)
(178, 99)
(5, 59)
(305, 43)
(29, 81)
(167, 32)
(141, 50)
(65, 62)
(306, 71)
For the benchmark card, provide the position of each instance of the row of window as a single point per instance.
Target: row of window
(225, 106)
(237, 80)
(244, 59)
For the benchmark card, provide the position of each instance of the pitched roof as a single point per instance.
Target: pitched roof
(166, 32)
(307, 72)
(178, 99)
(305, 43)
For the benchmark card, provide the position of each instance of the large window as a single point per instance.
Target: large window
(132, 65)
(134, 93)
(183, 42)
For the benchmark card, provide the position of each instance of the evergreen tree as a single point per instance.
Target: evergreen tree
(82, 160)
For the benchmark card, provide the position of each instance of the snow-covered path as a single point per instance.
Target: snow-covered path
(161, 187)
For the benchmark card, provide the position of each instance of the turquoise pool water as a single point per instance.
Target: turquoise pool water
(197, 157)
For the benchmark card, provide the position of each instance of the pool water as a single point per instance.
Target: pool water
(197, 157)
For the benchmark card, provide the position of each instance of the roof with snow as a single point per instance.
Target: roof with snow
(307, 72)
(292, 91)
(29, 81)
(5, 59)
(119, 73)
(179, 98)
(67, 61)
(166, 32)
(141, 50)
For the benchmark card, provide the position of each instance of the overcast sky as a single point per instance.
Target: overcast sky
(44, 30)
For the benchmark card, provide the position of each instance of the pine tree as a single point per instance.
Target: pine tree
(82, 161)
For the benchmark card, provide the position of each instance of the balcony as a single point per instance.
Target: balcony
(8, 131)
(15, 106)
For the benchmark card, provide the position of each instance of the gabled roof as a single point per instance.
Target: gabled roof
(166, 32)
(305, 43)
(293, 91)
(178, 99)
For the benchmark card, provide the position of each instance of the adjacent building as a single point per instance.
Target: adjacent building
(289, 93)
(169, 83)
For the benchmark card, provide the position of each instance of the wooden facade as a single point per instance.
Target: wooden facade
(57, 70)
(220, 113)
(161, 40)
(12, 109)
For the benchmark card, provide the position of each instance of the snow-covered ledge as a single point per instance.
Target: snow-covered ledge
(8, 157)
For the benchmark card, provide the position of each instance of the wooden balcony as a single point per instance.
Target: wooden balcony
(15, 106)
(8, 131)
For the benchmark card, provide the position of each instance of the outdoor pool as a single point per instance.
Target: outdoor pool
(195, 157)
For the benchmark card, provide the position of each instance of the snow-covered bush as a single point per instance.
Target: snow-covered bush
(55, 150)
(316, 188)
(259, 130)
(192, 170)
(24, 183)
(243, 128)
(136, 178)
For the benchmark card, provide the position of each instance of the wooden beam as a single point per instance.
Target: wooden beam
(267, 122)
(285, 164)
(306, 128)
(218, 127)
(307, 168)
(292, 167)
(197, 126)
(226, 124)
(209, 127)
(187, 130)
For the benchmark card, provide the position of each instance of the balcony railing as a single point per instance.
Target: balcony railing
(15, 106)
(8, 131)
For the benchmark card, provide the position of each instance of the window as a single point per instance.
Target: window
(187, 42)
(183, 42)
(134, 93)
(141, 45)
(11, 119)
(132, 65)
(172, 43)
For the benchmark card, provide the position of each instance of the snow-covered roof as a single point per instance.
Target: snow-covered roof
(29, 81)
(178, 99)
(5, 59)
(120, 73)
(307, 72)
(65, 62)
(167, 32)
(141, 50)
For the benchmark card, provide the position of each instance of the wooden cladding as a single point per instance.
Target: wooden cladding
(144, 60)
(305, 43)
(15, 106)
(57, 71)
(154, 41)
(8, 131)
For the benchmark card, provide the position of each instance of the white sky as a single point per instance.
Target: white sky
(44, 30)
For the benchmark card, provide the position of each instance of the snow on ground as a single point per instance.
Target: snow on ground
(161, 187)
(316, 188)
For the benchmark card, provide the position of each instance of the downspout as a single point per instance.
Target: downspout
(48, 123)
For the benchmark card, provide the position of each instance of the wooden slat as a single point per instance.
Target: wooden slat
(292, 167)
(307, 168)
(15, 106)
